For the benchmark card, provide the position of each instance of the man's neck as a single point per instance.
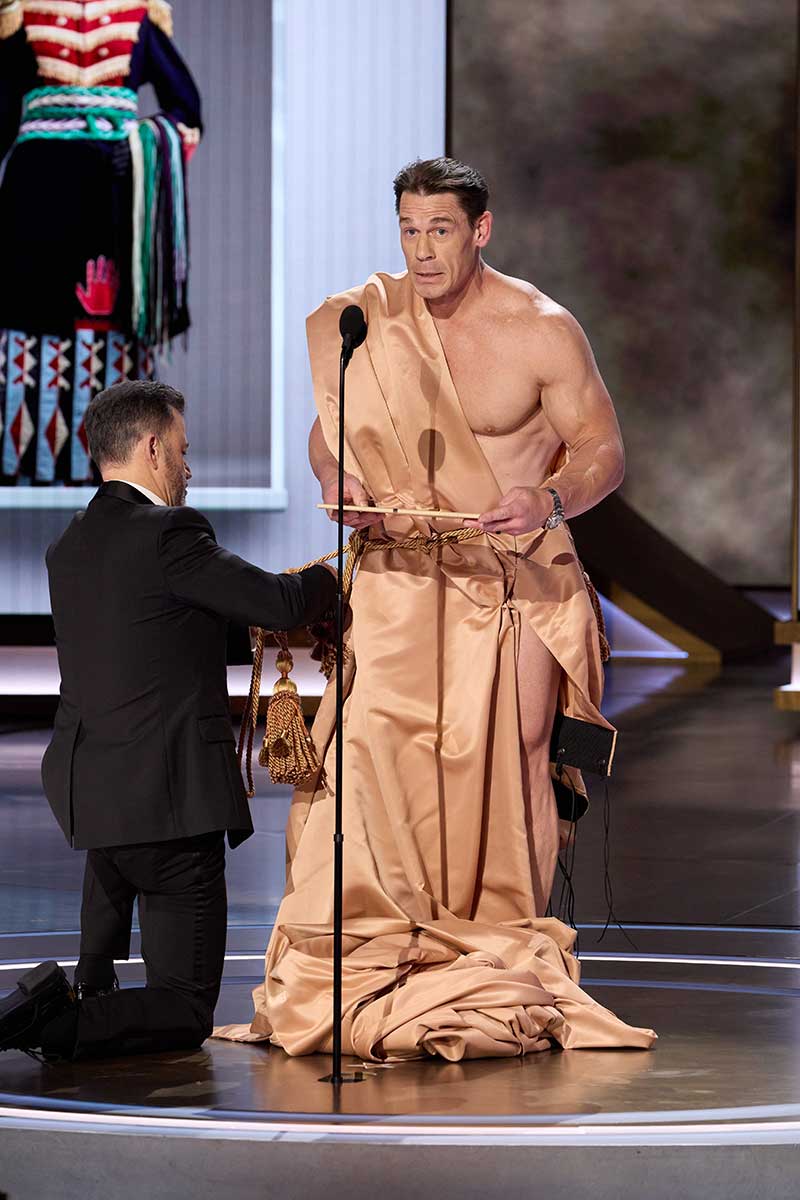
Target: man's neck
(131, 475)
(460, 304)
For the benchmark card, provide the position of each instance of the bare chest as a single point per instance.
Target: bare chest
(496, 383)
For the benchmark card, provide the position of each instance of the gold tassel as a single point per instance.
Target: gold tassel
(288, 752)
(10, 19)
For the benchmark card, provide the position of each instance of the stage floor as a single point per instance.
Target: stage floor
(726, 1005)
(707, 880)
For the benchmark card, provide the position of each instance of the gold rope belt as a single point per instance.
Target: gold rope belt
(288, 752)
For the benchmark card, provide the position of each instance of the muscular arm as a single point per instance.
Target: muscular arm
(579, 408)
(326, 469)
(323, 464)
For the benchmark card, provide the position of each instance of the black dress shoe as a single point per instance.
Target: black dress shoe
(84, 991)
(40, 995)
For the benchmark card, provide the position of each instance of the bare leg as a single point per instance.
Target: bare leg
(538, 675)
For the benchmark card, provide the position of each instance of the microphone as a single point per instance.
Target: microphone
(353, 329)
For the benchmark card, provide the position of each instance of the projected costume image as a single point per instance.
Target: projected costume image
(94, 245)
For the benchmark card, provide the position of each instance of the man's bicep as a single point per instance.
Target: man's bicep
(574, 398)
(319, 454)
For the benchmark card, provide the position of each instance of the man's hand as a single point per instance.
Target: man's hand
(520, 511)
(354, 493)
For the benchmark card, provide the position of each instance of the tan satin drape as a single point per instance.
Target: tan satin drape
(446, 949)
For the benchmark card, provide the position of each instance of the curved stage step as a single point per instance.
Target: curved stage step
(653, 580)
(714, 1110)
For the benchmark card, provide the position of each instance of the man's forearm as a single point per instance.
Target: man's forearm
(595, 469)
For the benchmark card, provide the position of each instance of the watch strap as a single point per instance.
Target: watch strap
(556, 517)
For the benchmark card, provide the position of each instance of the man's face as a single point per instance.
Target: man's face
(177, 473)
(441, 248)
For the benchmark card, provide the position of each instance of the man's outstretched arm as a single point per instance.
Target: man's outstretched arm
(205, 575)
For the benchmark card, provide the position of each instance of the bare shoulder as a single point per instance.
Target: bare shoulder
(536, 314)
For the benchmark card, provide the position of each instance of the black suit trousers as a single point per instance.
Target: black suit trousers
(180, 887)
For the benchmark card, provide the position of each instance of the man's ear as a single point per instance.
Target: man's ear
(483, 229)
(153, 449)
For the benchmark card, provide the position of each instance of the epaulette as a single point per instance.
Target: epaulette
(160, 13)
(10, 19)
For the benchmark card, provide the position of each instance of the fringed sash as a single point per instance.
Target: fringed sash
(160, 242)
(160, 265)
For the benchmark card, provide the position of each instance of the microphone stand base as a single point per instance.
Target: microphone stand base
(345, 1077)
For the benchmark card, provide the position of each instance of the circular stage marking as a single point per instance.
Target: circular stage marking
(692, 960)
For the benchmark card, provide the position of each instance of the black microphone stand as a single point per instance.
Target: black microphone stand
(336, 1076)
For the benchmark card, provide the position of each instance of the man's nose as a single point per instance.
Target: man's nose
(424, 248)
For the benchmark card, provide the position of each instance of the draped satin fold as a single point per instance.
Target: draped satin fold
(448, 856)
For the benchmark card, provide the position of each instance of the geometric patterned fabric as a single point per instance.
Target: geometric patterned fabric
(46, 384)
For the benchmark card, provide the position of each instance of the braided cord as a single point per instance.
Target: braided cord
(46, 110)
(250, 714)
(358, 545)
(100, 92)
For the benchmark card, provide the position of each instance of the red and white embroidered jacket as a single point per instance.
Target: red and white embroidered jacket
(89, 43)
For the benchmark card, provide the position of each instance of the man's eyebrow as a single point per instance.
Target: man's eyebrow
(431, 221)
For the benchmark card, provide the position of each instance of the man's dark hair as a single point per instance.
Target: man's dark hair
(118, 417)
(431, 176)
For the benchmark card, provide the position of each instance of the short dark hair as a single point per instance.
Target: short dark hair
(430, 176)
(118, 417)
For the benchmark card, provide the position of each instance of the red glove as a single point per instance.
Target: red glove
(102, 287)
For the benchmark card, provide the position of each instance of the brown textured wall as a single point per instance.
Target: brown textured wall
(640, 156)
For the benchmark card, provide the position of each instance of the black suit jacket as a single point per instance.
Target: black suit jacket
(143, 748)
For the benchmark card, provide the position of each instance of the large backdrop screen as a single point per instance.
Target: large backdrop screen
(640, 158)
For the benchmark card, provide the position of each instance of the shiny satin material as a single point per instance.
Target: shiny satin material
(448, 857)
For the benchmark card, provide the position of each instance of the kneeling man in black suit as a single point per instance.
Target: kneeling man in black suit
(141, 771)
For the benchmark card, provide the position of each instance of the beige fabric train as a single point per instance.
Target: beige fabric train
(448, 863)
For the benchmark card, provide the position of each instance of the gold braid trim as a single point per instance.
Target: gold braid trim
(288, 752)
(605, 647)
(93, 76)
(79, 10)
(10, 19)
(160, 13)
